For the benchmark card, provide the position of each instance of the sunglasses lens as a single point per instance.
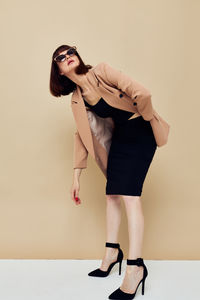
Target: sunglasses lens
(60, 57)
(71, 51)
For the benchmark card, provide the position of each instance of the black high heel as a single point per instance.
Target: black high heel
(119, 294)
(99, 273)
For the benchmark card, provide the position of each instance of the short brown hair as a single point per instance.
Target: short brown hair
(60, 84)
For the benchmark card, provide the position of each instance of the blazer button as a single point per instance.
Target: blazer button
(134, 103)
(120, 95)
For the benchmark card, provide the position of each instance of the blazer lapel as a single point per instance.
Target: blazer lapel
(80, 112)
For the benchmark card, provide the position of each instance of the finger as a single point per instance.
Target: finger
(78, 200)
(77, 197)
(72, 194)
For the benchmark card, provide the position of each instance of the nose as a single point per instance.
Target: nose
(68, 56)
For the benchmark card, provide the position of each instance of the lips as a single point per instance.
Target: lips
(70, 61)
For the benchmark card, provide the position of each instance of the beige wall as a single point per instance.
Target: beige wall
(156, 42)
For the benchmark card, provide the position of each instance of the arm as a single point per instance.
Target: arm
(131, 87)
(80, 156)
(80, 153)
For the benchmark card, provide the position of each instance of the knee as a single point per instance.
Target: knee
(113, 198)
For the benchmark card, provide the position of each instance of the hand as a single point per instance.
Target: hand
(75, 192)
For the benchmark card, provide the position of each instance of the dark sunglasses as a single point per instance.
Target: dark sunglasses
(62, 57)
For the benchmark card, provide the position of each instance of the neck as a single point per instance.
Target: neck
(80, 79)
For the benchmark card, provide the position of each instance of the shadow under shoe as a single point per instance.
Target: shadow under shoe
(100, 273)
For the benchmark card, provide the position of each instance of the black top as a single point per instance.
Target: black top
(104, 110)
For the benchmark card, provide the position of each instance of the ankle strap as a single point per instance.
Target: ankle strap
(139, 261)
(112, 245)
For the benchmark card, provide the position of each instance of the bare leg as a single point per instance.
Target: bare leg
(113, 217)
(135, 218)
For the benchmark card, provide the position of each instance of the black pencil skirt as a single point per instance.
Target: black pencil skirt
(131, 152)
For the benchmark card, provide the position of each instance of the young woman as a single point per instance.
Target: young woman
(123, 151)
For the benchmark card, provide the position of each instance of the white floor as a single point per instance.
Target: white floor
(68, 280)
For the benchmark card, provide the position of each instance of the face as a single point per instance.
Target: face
(68, 64)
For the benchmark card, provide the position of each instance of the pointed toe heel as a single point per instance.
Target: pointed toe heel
(119, 294)
(100, 273)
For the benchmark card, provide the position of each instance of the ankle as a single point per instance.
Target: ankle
(111, 251)
(130, 269)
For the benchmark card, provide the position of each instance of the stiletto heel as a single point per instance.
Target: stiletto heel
(119, 294)
(120, 267)
(100, 273)
(143, 286)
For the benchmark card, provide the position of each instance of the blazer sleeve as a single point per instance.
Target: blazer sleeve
(136, 91)
(80, 153)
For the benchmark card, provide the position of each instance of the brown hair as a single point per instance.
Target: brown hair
(61, 84)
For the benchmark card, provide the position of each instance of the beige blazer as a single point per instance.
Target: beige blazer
(94, 134)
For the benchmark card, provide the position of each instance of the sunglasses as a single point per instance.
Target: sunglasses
(62, 57)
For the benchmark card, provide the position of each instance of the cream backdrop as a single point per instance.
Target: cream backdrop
(157, 43)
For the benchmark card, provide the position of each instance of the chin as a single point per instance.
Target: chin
(73, 65)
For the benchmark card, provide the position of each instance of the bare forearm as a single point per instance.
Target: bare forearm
(77, 174)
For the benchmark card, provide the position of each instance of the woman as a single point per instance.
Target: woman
(129, 144)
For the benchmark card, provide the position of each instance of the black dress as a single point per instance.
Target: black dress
(132, 149)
